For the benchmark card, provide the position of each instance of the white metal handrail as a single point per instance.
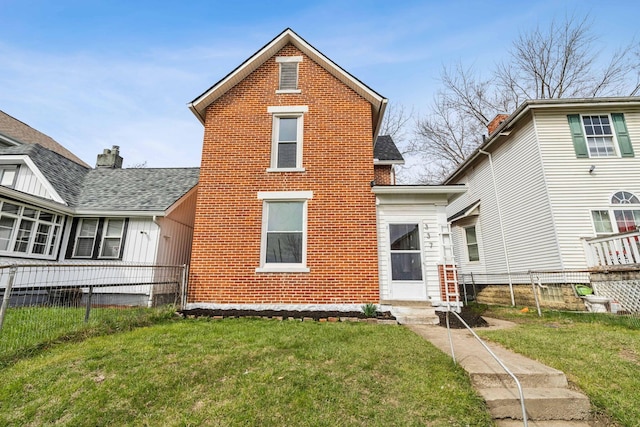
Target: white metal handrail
(497, 359)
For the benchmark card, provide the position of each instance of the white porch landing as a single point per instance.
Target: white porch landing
(412, 312)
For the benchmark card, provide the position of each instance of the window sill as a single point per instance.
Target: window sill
(288, 91)
(286, 170)
(277, 269)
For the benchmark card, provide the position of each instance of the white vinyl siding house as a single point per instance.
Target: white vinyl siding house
(573, 190)
(521, 213)
(547, 184)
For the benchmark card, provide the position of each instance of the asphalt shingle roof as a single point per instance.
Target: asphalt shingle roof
(64, 175)
(144, 189)
(385, 149)
(20, 132)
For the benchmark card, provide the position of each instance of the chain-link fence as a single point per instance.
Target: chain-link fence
(614, 291)
(43, 302)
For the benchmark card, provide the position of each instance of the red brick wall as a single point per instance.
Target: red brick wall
(383, 174)
(338, 158)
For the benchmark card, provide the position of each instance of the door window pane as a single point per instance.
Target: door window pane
(404, 236)
(406, 258)
(406, 266)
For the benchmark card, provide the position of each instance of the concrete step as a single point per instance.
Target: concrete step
(552, 423)
(540, 403)
(415, 315)
(548, 379)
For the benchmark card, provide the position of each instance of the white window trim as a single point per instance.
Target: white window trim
(53, 235)
(614, 139)
(466, 243)
(281, 59)
(274, 196)
(420, 251)
(77, 236)
(278, 112)
(105, 227)
(288, 58)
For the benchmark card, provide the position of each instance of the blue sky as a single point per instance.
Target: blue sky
(92, 74)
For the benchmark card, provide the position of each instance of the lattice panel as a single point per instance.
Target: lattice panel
(625, 292)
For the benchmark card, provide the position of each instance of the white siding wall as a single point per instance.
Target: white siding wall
(527, 222)
(28, 182)
(573, 192)
(431, 217)
(460, 249)
(177, 233)
(141, 244)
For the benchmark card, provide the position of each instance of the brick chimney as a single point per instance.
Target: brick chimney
(497, 121)
(110, 159)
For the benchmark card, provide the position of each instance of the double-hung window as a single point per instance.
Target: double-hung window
(406, 258)
(284, 231)
(99, 238)
(286, 150)
(473, 253)
(600, 135)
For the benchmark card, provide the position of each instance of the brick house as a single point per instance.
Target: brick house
(293, 189)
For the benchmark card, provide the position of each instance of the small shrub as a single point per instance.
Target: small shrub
(370, 310)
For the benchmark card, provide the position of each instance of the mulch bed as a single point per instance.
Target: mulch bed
(471, 317)
(334, 316)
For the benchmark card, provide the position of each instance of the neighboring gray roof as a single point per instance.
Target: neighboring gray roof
(65, 176)
(21, 133)
(385, 149)
(143, 189)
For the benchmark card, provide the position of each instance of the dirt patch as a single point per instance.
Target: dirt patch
(629, 356)
(469, 315)
(285, 314)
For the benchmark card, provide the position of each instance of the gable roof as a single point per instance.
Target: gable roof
(64, 175)
(385, 151)
(144, 189)
(14, 132)
(378, 103)
(504, 129)
(109, 190)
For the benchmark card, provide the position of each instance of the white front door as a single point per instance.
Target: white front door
(406, 262)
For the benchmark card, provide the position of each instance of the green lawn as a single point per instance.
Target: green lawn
(242, 372)
(27, 330)
(598, 352)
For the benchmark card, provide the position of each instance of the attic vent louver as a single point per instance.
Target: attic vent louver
(288, 72)
(288, 75)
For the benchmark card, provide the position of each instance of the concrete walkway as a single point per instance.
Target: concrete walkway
(548, 400)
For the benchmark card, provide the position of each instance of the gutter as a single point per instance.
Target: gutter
(526, 106)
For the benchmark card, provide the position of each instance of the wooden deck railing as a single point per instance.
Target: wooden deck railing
(614, 250)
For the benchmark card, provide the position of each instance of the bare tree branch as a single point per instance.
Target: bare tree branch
(560, 61)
